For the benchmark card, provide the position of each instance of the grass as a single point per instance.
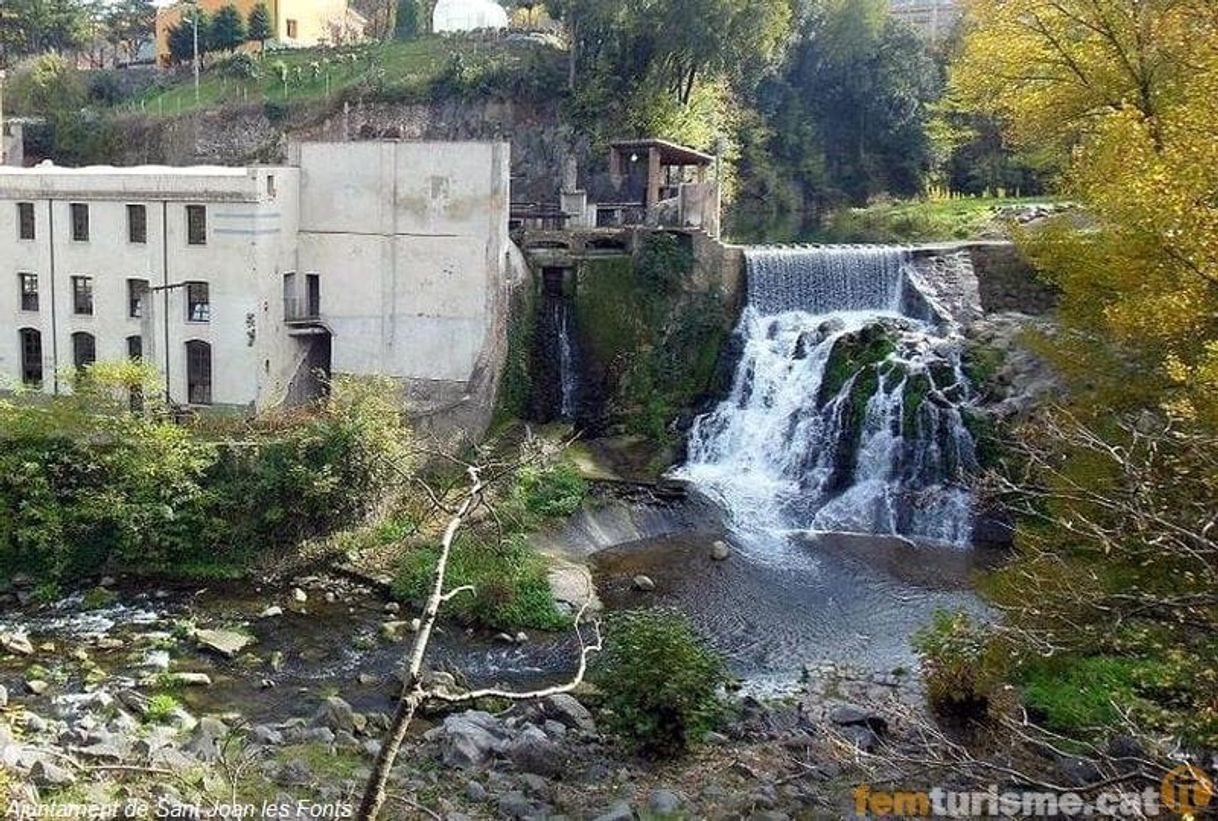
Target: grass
(1083, 694)
(160, 707)
(957, 218)
(400, 69)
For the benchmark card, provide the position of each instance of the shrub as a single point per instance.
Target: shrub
(510, 583)
(555, 491)
(955, 653)
(662, 684)
(160, 707)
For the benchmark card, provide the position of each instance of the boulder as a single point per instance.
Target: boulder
(338, 716)
(299, 596)
(190, 679)
(852, 715)
(720, 551)
(619, 811)
(565, 709)
(266, 736)
(208, 738)
(227, 643)
(271, 612)
(664, 802)
(36, 686)
(17, 644)
(470, 739)
(45, 773)
(644, 583)
(532, 751)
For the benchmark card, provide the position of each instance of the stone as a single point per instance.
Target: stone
(17, 644)
(644, 583)
(367, 679)
(521, 637)
(36, 686)
(266, 735)
(565, 709)
(391, 630)
(416, 625)
(3, 696)
(337, 715)
(469, 739)
(720, 551)
(330, 597)
(227, 643)
(536, 785)
(533, 752)
(208, 737)
(475, 792)
(272, 611)
(392, 607)
(664, 802)
(299, 596)
(47, 774)
(861, 736)
(515, 804)
(156, 660)
(554, 729)
(619, 811)
(505, 638)
(293, 773)
(190, 679)
(850, 715)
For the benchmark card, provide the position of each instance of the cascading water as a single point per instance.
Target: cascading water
(844, 414)
(567, 375)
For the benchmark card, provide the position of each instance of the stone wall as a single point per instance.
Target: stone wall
(1008, 282)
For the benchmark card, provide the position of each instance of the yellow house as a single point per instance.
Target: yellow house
(294, 23)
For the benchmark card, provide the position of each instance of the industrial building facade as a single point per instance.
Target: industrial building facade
(238, 284)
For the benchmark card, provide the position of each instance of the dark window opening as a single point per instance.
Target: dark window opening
(84, 350)
(198, 303)
(31, 356)
(25, 220)
(293, 29)
(29, 292)
(82, 295)
(137, 291)
(80, 222)
(313, 297)
(137, 224)
(198, 372)
(196, 225)
(135, 348)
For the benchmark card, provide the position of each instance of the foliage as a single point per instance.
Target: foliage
(914, 220)
(409, 19)
(516, 384)
(510, 583)
(85, 483)
(656, 342)
(1073, 694)
(957, 664)
(227, 29)
(661, 683)
(258, 27)
(160, 707)
(539, 494)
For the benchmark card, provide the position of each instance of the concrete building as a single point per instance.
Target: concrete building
(294, 23)
(933, 19)
(238, 283)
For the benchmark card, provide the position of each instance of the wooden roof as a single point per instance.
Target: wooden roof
(670, 153)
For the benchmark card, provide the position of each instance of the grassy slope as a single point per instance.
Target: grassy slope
(396, 68)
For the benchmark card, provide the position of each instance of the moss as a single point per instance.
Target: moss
(916, 388)
(1083, 694)
(517, 384)
(851, 354)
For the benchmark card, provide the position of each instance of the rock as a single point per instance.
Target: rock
(644, 583)
(469, 739)
(367, 679)
(416, 625)
(330, 597)
(521, 637)
(619, 811)
(515, 804)
(533, 752)
(317, 735)
(17, 644)
(3, 696)
(851, 715)
(294, 773)
(36, 686)
(208, 737)
(299, 596)
(861, 736)
(720, 551)
(554, 729)
(537, 785)
(664, 802)
(392, 607)
(190, 679)
(47, 774)
(505, 638)
(156, 660)
(565, 709)
(227, 643)
(371, 747)
(155, 738)
(391, 630)
(337, 715)
(266, 736)
(475, 792)
(272, 611)
(276, 660)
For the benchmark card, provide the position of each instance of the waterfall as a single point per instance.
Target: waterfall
(567, 375)
(844, 412)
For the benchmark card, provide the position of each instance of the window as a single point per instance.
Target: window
(84, 350)
(25, 220)
(313, 295)
(31, 356)
(198, 372)
(82, 295)
(29, 291)
(270, 185)
(137, 291)
(135, 348)
(196, 225)
(198, 304)
(293, 28)
(137, 224)
(80, 222)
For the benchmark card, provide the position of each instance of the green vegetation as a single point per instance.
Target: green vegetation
(915, 221)
(656, 342)
(510, 580)
(160, 708)
(1073, 694)
(956, 665)
(86, 484)
(516, 385)
(661, 683)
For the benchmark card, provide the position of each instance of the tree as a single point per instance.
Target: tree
(182, 38)
(128, 23)
(259, 27)
(227, 30)
(407, 22)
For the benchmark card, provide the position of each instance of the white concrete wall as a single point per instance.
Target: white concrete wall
(410, 241)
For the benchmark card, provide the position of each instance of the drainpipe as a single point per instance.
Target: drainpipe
(165, 284)
(54, 325)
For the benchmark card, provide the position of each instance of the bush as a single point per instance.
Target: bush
(662, 684)
(955, 653)
(538, 494)
(510, 584)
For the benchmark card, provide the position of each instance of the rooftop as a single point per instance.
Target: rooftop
(670, 153)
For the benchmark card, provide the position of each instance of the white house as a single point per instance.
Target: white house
(238, 283)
